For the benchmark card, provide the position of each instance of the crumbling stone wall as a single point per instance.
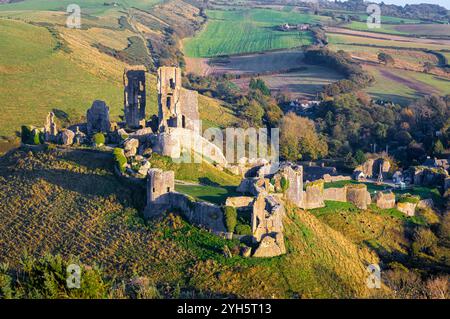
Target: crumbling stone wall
(267, 216)
(427, 176)
(159, 186)
(358, 195)
(267, 225)
(202, 214)
(335, 194)
(371, 167)
(239, 201)
(189, 109)
(327, 178)
(271, 246)
(174, 141)
(134, 98)
(385, 200)
(294, 175)
(161, 196)
(406, 208)
(314, 197)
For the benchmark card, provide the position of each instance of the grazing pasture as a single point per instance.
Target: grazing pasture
(401, 86)
(384, 28)
(92, 7)
(247, 31)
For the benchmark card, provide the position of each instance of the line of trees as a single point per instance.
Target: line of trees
(356, 77)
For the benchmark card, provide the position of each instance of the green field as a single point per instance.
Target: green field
(247, 31)
(212, 194)
(384, 28)
(390, 20)
(403, 87)
(362, 40)
(95, 7)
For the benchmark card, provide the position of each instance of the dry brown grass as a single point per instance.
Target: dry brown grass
(70, 203)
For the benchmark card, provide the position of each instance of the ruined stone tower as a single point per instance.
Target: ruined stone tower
(98, 118)
(159, 186)
(177, 107)
(134, 98)
(50, 129)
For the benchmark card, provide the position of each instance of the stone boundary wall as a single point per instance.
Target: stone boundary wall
(202, 214)
(176, 140)
(408, 209)
(385, 200)
(240, 201)
(335, 194)
(358, 195)
(313, 196)
(330, 179)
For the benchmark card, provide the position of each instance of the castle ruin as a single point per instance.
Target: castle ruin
(50, 128)
(134, 98)
(98, 118)
(177, 106)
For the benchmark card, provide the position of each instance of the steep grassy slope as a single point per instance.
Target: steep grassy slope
(37, 77)
(41, 71)
(70, 203)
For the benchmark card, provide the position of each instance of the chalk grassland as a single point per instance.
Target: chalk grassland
(71, 203)
(247, 31)
(382, 229)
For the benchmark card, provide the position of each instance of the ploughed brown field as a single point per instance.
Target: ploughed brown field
(283, 71)
(275, 61)
(426, 29)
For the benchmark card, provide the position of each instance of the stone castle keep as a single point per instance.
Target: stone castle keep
(264, 192)
(177, 106)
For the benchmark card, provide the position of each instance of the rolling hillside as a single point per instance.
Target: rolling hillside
(45, 66)
(70, 203)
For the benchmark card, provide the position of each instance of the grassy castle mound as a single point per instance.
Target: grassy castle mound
(69, 203)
